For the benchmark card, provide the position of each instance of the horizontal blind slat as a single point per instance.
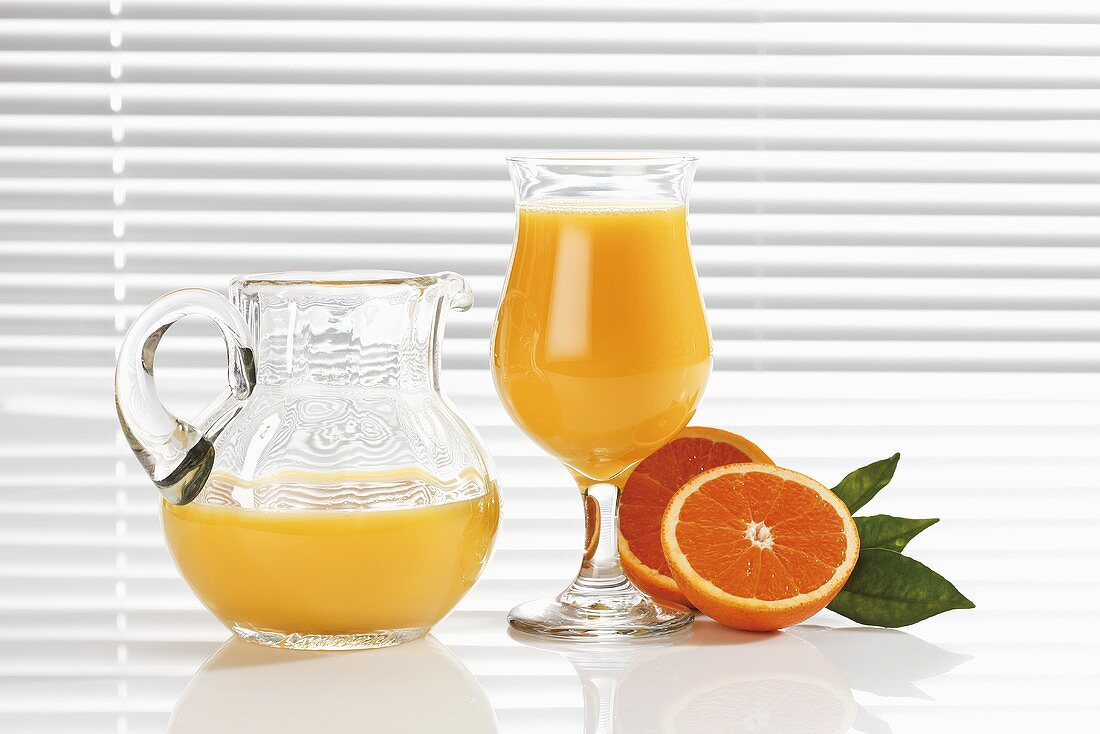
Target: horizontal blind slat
(1024, 136)
(471, 100)
(687, 37)
(227, 193)
(264, 69)
(444, 165)
(479, 228)
(588, 10)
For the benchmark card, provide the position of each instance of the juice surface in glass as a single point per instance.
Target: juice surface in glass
(331, 571)
(601, 349)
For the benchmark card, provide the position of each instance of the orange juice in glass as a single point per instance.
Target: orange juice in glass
(601, 352)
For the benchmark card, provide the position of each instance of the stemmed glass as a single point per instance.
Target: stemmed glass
(601, 352)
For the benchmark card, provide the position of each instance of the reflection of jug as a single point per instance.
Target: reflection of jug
(333, 497)
(418, 688)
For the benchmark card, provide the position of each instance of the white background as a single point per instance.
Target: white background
(895, 223)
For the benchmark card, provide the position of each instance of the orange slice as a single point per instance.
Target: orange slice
(757, 547)
(649, 486)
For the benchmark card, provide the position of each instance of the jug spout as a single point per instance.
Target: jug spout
(456, 290)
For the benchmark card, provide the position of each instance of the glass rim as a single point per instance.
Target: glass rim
(599, 157)
(335, 278)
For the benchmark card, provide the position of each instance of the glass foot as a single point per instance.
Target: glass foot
(359, 641)
(603, 613)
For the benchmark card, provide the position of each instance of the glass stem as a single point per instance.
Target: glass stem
(600, 568)
(599, 704)
(601, 601)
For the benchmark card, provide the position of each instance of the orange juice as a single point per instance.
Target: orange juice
(331, 571)
(601, 349)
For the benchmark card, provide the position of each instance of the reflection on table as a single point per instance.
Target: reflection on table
(719, 680)
(418, 687)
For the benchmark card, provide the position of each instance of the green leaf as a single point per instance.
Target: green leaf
(857, 489)
(891, 533)
(888, 589)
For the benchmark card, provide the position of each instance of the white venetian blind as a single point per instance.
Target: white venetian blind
(895, 223)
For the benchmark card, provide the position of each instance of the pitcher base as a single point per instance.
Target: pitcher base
(358, 641)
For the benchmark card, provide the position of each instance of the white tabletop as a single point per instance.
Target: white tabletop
(99, 634)
(177, 672)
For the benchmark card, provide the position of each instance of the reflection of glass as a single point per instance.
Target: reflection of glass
(417, 688)
(334, 498)
(715, 679)
(599, 668)
(601, 352)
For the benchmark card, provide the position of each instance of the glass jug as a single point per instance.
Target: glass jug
(332, 497)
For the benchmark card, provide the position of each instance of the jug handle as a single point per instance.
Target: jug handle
(177, 455)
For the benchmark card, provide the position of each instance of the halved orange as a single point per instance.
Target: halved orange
(757, 547)
(649, 486)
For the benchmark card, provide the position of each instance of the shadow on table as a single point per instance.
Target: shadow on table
(419, 687)
(715, 679)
